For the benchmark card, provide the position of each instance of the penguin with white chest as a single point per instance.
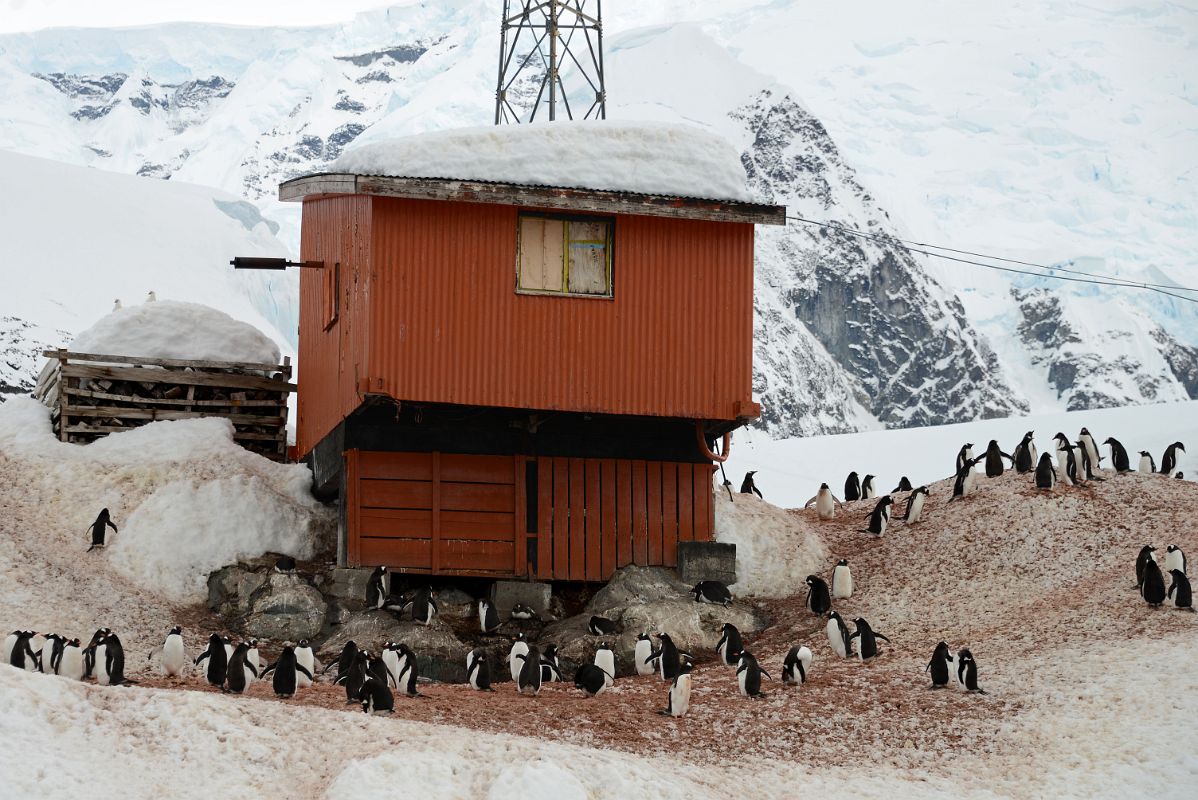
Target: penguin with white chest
(1147, 463)
(825, 502)
(1119, 459)
(964, 457)
(842, 580)
(679, 699)
(71, 664)
(111, 672)
(488, 617)
(879, 518)
(1175, 559)
(713, 592)
(838, 635)
(915, 501)
(967, 672)
(601, 626)
(241, 672)
(796, 666)
(1170, 458)
(99, 528)
(305, 658)
(642, 655)
(593, 679)
(391, 657)
(1066, 460)
(1091, 447)
(515, 657)
(408, 672)
(478, 673)
(966, 479)
(173, 657)
(551, 666)
(748, 675)
(729, 645)
(605, 659)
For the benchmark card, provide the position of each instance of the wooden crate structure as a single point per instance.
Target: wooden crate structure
(92, 395)
(550, 518)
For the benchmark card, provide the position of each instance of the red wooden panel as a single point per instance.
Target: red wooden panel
(593, 536)
(490, 525)
(395, 494)
(469, 555)
(578, 542)
(653, 509)
(476, 469)
(400, 553)
(607, 518)
(669, 514)
(544, 518)
(436, 505)
(352, 526)
(477, 497)
(395, 523)
(561, 519)
(520, 519)
(624, 513)
(640, 520)
(704, 524)
(686, 502)
(396, 466)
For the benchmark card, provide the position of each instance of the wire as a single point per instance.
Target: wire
(1093, 278)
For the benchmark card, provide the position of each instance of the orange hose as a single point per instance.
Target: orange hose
(719, 459)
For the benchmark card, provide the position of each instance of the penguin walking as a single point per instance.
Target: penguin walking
(852, 488)
(914, 509)
(967, 672)
(679, 698)
(601, 626)
(241, 672)
(819, 599)
(478, 673)
(796, 666)
(749, 486)
(1119, 459)
(1169, 459)
(112, 671)
(994, 457)
(1147, 553)
(668, 655)
(729, 645)
(1179, 590)
(305, 658)
(288, 672)
(966, 479)
(964, 456)
(99, 528)
(842, 580)
(488, 617)
(71, 664)
(868, 648)
(868, 490)
(1153, 587)
(378, 587)
(592, 679)
(1025, 454)
(217, 665)
(713, 592)
(173, 657)
(1046, 474)
(376, 697)
(1174, 559)
(515, 660)
(904, 485)
(551, 665)
(529, 679)
(838, 635)
(1087, 443)
(605, 659)
(939, 666)
(880, 516)
(1147, 463)
(748, 675)
(825, 502)
(641, 655)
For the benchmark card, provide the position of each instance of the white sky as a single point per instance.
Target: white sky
(30, 15)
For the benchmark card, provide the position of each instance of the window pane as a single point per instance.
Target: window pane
(541, 246)
(588, 257)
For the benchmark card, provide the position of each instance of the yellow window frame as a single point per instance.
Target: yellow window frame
(608, 243)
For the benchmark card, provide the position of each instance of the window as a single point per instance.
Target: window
(564, 255)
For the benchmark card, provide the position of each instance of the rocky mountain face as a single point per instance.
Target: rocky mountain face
(21, 346)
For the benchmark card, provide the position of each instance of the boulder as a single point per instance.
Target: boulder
(347, 584)
(230, 588)
(285, 607)
(440, 655)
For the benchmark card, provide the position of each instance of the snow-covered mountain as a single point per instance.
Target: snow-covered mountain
(1021, 130)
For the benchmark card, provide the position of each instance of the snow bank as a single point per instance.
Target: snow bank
(649, 157)
(775, 550)
(169, 329)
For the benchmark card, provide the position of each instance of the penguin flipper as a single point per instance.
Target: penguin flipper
(882, 637)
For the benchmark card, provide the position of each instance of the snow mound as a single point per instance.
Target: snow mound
(169, 329)
(648, 157)
(775, 550)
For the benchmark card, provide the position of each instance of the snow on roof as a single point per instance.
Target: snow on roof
(647, 157)
(169, 329)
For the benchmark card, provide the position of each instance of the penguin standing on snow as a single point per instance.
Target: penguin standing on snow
(1179, 590)
(1147, 463)
(967, 672)
(99, 528)
(56, 644)
(842, 580)
(868, 490)
(172, 653)
(287, 671)
(880, 517)
(1025, 454)
(241, 672)
(966, 477)
(1087, 443)
(748, 486)
(1119, 458)
(641, 655)
(938, 666)
(1153, 587)
(217, 663)
(1046, 474)
(1147, 553)
(713, 592)
(1174, 559)
(378, 588)
(729, 645)
(669, 657)
(838, 635)
(819, 599)
(679, 701)
(964, 456)
(71, 663)
(529, 680)
(478, 673)
(825, 502)
(748, 675)
(94, 653)
(488, 617)
(112, 671)
(868, 648)
(852, 488)
(915, 502)
(1169, 459)
(376, 697)
(796, 665)
(994, 457)
(21, 655)
(515, 662)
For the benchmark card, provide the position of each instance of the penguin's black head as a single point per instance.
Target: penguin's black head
(685, 667)
(519, 637)
(852, 475)
(177, 630)
(809, 580)
(844, 562)
(823, 486)
(642, 637)
(868, 477)
(1085, 432)
(303, 643)
(1170, 548)
(887, 500)
(752, 472)
(1180, 446)
(1143, 452)
(994, 442)
(253, 643)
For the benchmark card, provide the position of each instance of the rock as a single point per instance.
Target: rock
(533, 594)
(440, 655)
(347, 584)
(707, 561)
(285, 607)
(230, 588)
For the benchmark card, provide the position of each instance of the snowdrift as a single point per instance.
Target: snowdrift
(775, 550)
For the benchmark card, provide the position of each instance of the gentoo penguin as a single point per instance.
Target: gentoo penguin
(1153, 587)
(71, 663)
(21, 655)
(1147, 553)
(838, 635)
(1174, 558)
(99, 528)
(679, 701)
(52, 659)
(378, 588)
(605, 659)
(842, 580)
(967, 672)
(304, 657)
(488, 617)
(241, 672)
(172, 653)
(645, 665)
(285, 565)
(1090, 446)
(713, 592)
(796, 665)
(869, 639)
(868, 490)
(522, 612)
(376, 696)
(1025, 454)
(729, 645)
(376, 667)
(915, 502)
(852, 488)
(1169, 459)
(390, 656)
(345, 661)
(748, 675)
(94, 653)
(825, 502)
(528, 681)
(253, 657)
(1046, 474)
(478, 672)
(353, 679)
(551, 665)
(217, 664)
(519, 647)
(748, 486)
(1147, 463)
(601, 626)
(424, 607)
(994, 456)
(880, 516)
(9, 642)
(1085, 465)
(1119, 458)
(112, 671)
(966, 477)
(668, 656)
(964, 456)
(819, 599)
(904, 485)
(1179, 590)
(592, 679)
(37, 643)
(1067, 464)
(938, 666)
(289, 673)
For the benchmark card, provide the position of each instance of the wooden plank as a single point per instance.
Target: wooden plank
(252, 437)
(223, 380)
(280, 402)
(157, 414)
(315, 185)
(399, 554)
(482, 525)
(473, 555)
(592, 537)
(62, 355)
(397, 466)
(704, 523)
(520, 518)
(352, 509)
(478, 496)
(607, 518)
(578, 542)
(545, 531)
(640, 521)
(436, 507)
(477, 469)
(669, 514)
(686, 502)
(653, 511)
(396, 523)
(395, 494)
(624, 513)
(561, 519)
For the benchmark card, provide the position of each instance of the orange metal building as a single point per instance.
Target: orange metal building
(520, 381)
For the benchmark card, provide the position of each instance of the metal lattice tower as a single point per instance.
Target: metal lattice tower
(535, 42)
